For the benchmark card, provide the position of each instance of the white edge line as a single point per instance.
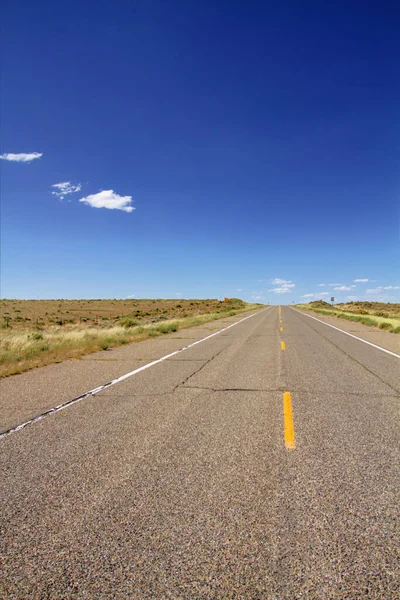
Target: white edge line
(347, 333)
(56, 409)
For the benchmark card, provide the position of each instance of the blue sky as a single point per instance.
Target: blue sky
(257, 142)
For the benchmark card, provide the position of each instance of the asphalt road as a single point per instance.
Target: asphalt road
(188, 480)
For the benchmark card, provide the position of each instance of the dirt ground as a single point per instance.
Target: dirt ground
(28, 314)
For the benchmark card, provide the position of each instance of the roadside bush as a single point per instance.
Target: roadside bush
(36, 335)
(105, 344)
(168, 327)
(368, 321)
(385, 325)
(128, 322)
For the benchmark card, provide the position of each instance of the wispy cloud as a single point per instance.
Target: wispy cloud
(281, 290)
(321, 284)
(239, 289)
(131, 296)
(380, 289)
(317, 295)
(334, 285)
(362, 280)
(352, 298)
(344, 288)
(109, 199)
(21, 157)
(64, 188)
(285, 286)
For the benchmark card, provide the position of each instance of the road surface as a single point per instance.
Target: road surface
(262, 463)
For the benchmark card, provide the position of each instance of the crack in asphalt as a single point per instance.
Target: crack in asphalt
(235, 389)
(182, 383)
(349, 356)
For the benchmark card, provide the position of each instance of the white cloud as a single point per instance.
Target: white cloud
(64, 188)
(22, 157)
(361, 280)
(352, 298)
(131, 296)
(344, 288)
(256, 297)
(280, 290)
(285, 285)
(380, 288)
(321, 284)
(335, 284)
(317, 295)
(239, 289)
(109, 199)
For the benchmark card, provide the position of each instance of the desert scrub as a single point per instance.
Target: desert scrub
(24, 350)
(128, 322)
(391, 325)
(36, 335)
(168, 327)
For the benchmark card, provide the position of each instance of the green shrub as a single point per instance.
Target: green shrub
(168, 327)
(106, 343)
(6, 357)
(396, 330)
(385, 325)
(128, 322)
(368, 321)
(35, 336)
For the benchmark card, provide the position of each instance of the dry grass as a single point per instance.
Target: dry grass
(23, 347)
(376, 314)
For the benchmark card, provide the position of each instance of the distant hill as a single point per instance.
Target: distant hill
(320, 304)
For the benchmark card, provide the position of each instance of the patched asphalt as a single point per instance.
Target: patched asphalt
(176, 483)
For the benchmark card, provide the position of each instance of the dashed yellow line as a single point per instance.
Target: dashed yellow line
(288, 425)
(281, 328)
(283, 346)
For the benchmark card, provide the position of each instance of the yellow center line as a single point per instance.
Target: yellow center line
(281, 328)
(288, 426)
(283, 346)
